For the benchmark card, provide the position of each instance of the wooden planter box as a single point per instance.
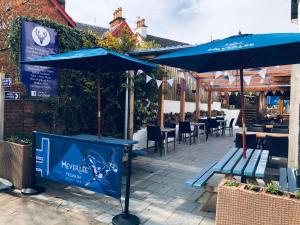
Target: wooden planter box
(239, 206)
(16, 164)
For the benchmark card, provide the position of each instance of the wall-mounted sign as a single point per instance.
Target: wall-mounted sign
(6, 82)
(11, 95)
(38, 41)
(85, 163)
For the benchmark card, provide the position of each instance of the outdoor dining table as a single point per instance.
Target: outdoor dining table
(263, 135)
(165, 132)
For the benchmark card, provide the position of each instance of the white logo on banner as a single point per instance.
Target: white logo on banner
(41, 36)
(148, 78)
(158, 82)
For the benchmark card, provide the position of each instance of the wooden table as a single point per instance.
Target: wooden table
(165, 132)
(264, 134)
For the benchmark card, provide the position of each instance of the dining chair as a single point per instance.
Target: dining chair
(154, 134)
(277, 146)
(213, 126)
(230, 127)
(173, 133)
(251, 141)
(185, 128)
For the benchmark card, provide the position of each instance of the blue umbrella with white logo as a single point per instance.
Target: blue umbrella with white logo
(238, 52)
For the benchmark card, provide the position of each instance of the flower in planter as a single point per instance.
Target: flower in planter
(232, 183)
(252, 187)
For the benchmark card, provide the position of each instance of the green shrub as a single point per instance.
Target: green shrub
(297, 194)
(273, 188)
(19, 138)
(232, 183)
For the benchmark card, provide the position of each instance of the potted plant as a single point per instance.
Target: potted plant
(16, 162)
(248, 204)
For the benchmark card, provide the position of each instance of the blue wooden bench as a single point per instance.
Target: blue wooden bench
(233, 163)
(287, 180)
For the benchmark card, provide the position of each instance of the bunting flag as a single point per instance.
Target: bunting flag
(218, 74)
(266, 92)
(229, 93)
(181, 75)
(170, 81)
(282, 92)
(158, 82)
(236, 93)
(148, 78)
(274, 92)
(139, 72)
(262, 73)
(222, 93)
(231, 79)
(257, 93)
(247, 79)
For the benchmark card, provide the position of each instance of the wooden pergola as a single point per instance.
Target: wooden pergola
(276, 79)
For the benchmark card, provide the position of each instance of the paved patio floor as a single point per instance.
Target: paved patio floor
(158, 194)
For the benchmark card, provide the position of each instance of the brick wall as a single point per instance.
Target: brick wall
(19, 114)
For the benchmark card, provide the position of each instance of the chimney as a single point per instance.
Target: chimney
(117, 18)
(141, 28)
(62, 3)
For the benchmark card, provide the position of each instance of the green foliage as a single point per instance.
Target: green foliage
(231, 183)
(297, 194)
(75, 110)
(20, 138)
(273, 188)
(250, 187)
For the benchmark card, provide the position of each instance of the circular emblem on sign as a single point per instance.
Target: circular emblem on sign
(41, 36)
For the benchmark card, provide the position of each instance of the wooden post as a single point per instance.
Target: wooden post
(197, 99)
(280, 106)
(209, 100)
(261, 104)
(160, 116)
(2, 75)
(131, 105)
(182, 100)
(294, 118)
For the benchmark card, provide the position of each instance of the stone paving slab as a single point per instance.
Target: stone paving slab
(158, 194)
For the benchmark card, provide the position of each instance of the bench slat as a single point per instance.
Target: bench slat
(232, 162)
(262, 164)
(283, 179)
(195, 178)
(202, 181)
(292, 180)
(239, 168)
(219, 166)
(250, 168)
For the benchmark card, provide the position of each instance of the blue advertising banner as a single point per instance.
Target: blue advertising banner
(38, 41)
(86, 163)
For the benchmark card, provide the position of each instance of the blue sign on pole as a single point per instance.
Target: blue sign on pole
(6, 82)
(11, 95)
(90, 164)
(38, 41)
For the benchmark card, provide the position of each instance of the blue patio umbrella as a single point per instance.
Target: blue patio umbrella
(98, 60)
(238, 52)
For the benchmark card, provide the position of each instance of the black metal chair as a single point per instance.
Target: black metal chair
(213, 126)
(278, 130)
(251, 141)
(154, 134)
(206, 126)
(256, 129)
(173, 133)
(281, 126)
(220, 118)
(185, 128)
(230, 127)
(277, 146)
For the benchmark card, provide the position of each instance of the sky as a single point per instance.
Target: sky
(190, 21)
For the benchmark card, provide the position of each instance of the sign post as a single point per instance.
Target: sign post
(2, 75)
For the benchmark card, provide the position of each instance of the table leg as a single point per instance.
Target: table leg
(166, 144)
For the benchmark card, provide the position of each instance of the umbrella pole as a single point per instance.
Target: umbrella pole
(99, 107)
(243, 111)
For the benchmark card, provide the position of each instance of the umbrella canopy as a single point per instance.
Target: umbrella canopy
(238, 52)
(97, 60)
(246, 51)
